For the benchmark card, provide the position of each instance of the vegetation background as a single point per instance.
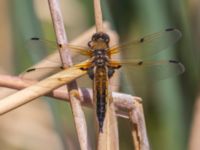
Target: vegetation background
(168, 104)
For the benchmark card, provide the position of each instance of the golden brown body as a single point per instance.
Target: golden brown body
(100, 71)
(101, 67)
(100, 93)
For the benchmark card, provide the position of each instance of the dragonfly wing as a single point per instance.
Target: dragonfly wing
(39, 73)
(153, 70)
(52, 62)
(37, 43)
(149, 44)
(44, 71)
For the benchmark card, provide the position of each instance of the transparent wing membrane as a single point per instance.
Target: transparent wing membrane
(150, 44)
(52, 62)
(154, 70)
(39, 72)
(52, 45)
(79, 53)
(34, 41)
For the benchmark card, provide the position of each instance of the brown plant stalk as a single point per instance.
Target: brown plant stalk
(78, 114)
(109, 139)
(126, 105)
(41, 88)
(122, 101)
(98, 16)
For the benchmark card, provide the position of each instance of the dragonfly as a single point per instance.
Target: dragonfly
(101, 65)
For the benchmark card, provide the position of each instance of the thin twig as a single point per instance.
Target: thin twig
(139, 133)
(41, 88)
(136, 116)
(109, 139)
(72, 87)
(123, 102)
(98, 16)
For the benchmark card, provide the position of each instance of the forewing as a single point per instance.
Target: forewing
(149, 44)
(52, 62)
(78, 53)
(39, 73)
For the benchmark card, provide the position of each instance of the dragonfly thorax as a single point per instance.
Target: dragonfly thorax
(100, 57)
(99, 52)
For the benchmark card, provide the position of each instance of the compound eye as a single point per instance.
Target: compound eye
(106, 38)
(101, 36)
(95, 37)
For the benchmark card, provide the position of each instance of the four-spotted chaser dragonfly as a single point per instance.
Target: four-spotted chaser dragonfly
(101, 66)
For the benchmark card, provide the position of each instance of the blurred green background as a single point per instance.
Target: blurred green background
(168, 104)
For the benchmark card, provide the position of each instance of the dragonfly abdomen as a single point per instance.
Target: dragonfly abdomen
(101, 108)
(101, 94)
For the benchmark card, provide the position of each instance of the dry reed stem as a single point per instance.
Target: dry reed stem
(194, 143)
(41, 88)
(78, 114)
(109, 139)
(98, 16)
(60, 33)
(124, 103)
(139, 133)
(121, 101)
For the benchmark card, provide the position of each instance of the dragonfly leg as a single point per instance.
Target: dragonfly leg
(112, 66)
(84, 68)
(90, 44)
(111, 71)
(90, 72)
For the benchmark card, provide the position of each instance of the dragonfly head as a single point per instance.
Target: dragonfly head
(99, 40)
(101, 36)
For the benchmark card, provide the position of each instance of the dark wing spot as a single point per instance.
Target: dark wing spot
(119, 66)
(35, 38)
(60, 45)
(140, 63)
(31, 69)
(169, 29)
(174, 61)
(61, 67)
(141, 40)
(179, 64)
